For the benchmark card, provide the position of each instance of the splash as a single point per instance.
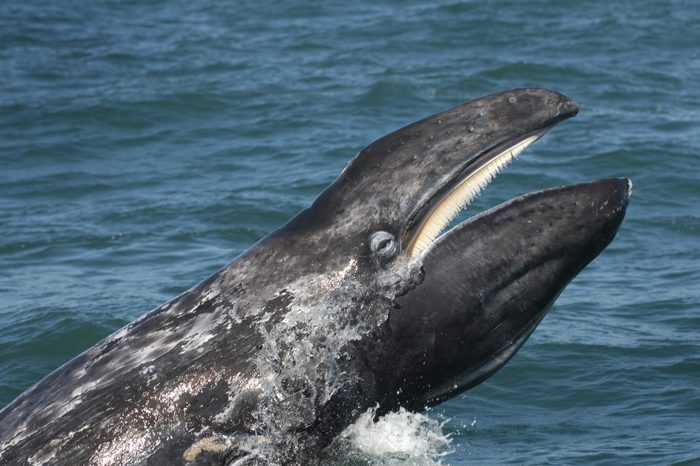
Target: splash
(306, 358)
(400, 438)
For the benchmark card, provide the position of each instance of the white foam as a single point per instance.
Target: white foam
(398, 438)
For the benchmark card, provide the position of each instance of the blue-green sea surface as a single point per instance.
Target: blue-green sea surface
(144, 145)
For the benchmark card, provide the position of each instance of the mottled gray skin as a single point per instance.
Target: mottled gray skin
(268, 359)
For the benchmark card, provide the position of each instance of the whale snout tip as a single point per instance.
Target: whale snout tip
(567, 106)
(629, 186)
(622, 188)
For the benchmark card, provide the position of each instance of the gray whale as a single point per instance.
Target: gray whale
(358, 301)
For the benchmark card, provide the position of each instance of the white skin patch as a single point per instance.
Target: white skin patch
(199, 333)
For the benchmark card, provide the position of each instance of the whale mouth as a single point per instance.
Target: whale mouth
(489, 281)
(431, 219)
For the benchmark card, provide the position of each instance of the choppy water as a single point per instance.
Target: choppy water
(145, 144)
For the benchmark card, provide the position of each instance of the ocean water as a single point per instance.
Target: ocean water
(143, 145)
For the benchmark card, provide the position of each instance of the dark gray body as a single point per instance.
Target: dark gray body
(267, 360)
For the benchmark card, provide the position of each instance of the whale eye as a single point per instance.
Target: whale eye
(382, 244)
